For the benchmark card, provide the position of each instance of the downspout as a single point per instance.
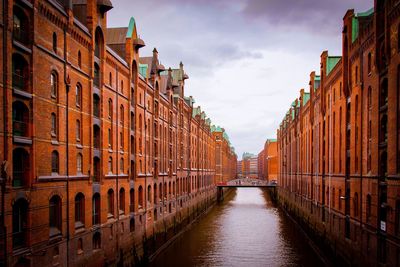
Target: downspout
(67, 86)
(5, 114)
(117, 150)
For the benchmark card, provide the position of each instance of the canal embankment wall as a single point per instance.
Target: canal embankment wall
(149, 240)
(327, 232)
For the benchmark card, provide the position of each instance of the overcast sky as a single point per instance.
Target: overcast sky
(246, 59)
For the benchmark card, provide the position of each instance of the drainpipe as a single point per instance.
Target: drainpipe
(117, 150)
(67, 86)
(5, 118)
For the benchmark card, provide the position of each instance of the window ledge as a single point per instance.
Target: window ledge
(55, 142)
(79, 146)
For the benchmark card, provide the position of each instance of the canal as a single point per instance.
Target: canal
(246, 229)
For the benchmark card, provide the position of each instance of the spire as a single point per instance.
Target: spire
(154, 62)
(169, 80)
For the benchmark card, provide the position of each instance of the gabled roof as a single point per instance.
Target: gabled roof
(116, 35)
(355, 23)
(331, 63)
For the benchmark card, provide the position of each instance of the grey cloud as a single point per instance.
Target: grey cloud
(315, 15)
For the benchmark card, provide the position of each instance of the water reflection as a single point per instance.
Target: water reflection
(245, 230)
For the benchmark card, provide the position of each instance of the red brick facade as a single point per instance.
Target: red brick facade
(339, 143)
(268, 161)
(100, 148)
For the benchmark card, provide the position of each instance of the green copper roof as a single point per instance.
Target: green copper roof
(354, 29)
(203, 115)
(130, 27)
(271, 140)
(355, 23)
(143, 69)
(196, 111)
(306, 98)
(317, 82)
(208, 121)
(331, 62)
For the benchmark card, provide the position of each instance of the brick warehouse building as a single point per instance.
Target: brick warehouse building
(339, 143)
(100, 148)
(268, 161)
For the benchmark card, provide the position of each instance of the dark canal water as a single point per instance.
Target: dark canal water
(247, 229)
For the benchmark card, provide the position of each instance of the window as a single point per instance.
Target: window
(122, 87)
(78, 130)
(96, 136)
(109, 138)
(20, 167)
(55, 215)
(79, 246)
(122, 114)
(20, 26)
(96, 105)
(369, 63)
(110, 165)
(19, 223)
(132, 224)
(140, 191)
(79, 163)
(54, 162)
(110, 109)
(368, 208)
(20, 117)
(397, 218)
(96, 78)
(79, 210)
(355, 202)
(53, 125)
(122, 200)
(149, 194)
(53, 84)
(55, 42)
(121, 165)
(110, 202)
(110, 79)
(79, 59)
(132, 200)
(340, 199)
(20, 73)
(96, 209)
(96, 241)
(96, 169)
(78, 95)
(121, 140)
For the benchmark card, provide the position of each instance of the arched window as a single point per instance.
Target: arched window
(78, 130)
(96, 241)
(155, 193)
(122, 201)
(121, 111)
(96, 78)
(79, 59)
(96, 209)
(149, 194)
(368, 208)
(369, 63)
(53, 125)
(110, 165)
(140, 196)
(53, 84)
(355, 200)
(96, 136)
(132, 224)
(132, 200)
(96, 169)
(19, 223)
(55, 215)
(20, 117)
(20, 73)
(78, 95)
(110, 202)
(110, 109)
(121, 165)
(96, 105)
(20, 26)
(55, 42)
(79, 210)
(20, 167)
(79, 163)
(54, 162)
